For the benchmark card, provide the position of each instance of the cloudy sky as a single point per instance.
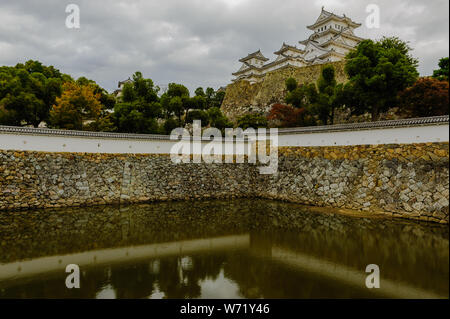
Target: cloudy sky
(195, 42)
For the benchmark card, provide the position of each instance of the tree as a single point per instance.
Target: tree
(176, 107)
(217, 119)
(327, 98)
(288, 116)
(297, 97)
(139, 107)
(198, 115)
(177, 90)
(77, 104)
(170, 124)
(107, 100)
(197, 102)
(427, 97)
(218, 98)
(176, 101)
(104, 123)
(131, 118)
(210, 98)
(377, 71)
(27, 92)
(252, 120)
(199, 92)
(291, 84)
(443, 72)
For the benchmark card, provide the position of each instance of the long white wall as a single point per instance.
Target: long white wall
(57, 143)
(402, 135)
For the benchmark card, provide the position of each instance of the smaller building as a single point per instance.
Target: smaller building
(118, 92)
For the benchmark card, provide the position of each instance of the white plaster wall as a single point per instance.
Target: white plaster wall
(403, 135)
(47, 143)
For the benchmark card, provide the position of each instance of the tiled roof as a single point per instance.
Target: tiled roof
(257, 55)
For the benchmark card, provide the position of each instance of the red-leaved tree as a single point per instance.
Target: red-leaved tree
(282, 115)
(426, 97)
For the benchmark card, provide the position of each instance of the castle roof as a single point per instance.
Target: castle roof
(256, 55)
(123, 82)
(244, 68)
(326, 16)
(285, 47)
(283, 59)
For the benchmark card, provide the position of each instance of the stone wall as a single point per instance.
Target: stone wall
(242, 97)
(39, 179)
(404, 180)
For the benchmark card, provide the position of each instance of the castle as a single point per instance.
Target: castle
(332, 39)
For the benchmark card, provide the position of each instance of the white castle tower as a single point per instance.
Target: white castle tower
(332, 39)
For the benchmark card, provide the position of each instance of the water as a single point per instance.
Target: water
(219, 249)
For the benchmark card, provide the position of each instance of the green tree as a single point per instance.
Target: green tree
(139, 107)
(297, 97)
(377, 71)
(218, 98)
(176, 101)
(176, 107)
(217, 119)
(252, 120)
(327, 97)
(198, 115)
(199, 92)
(177, 90)
(170, 124)
(197, 102)
(443, 72)
(210, 97)
(28, 91)
(103, 123)
(291, 84)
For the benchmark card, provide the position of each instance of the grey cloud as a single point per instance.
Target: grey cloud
(195, 42)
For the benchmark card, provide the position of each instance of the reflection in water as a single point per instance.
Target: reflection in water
(218, 249)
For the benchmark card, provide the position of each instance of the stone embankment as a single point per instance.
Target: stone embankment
(407, 180)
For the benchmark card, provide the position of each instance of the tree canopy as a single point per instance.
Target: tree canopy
(138, 107)
(77, 104)
(377, 72)
(443, 72)
(327, 97)
(427, 97)
(28, 91)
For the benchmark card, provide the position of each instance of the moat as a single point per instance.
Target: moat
(219, 249)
